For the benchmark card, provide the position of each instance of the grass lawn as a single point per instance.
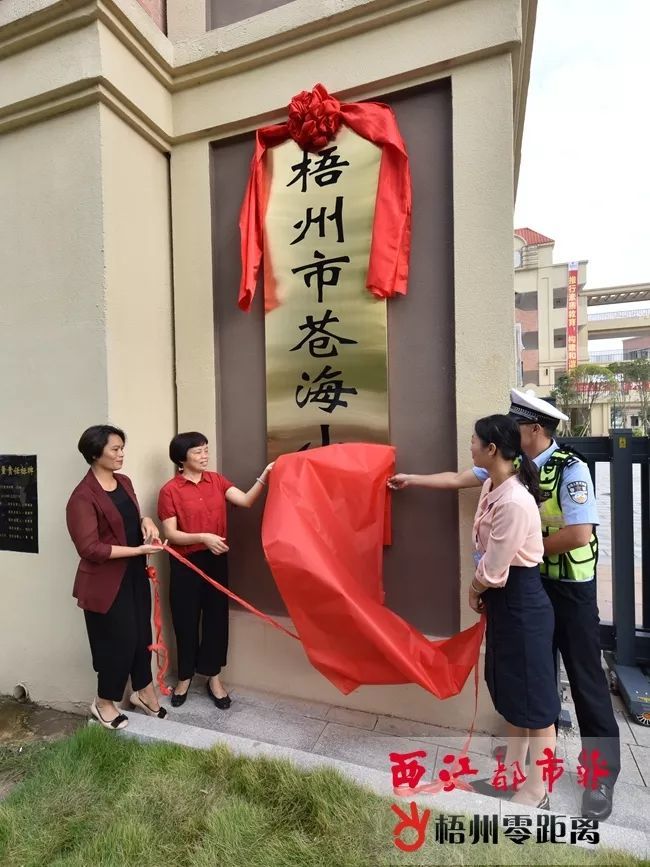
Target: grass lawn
(98, 800)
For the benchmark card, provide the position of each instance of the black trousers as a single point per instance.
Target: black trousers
(199, 614)
(577, 637)
(119, 639)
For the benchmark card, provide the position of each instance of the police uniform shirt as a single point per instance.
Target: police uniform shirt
(577, 498)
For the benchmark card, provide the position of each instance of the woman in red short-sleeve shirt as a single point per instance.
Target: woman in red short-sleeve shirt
(192, 508)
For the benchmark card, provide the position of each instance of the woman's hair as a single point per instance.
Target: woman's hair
(182, 443)
(92, 441)
(503, 431)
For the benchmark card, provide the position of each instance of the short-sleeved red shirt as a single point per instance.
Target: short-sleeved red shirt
(199, 507)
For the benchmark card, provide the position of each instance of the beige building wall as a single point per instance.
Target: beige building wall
(139, 311)
(85, 313)
(53, 384)
(139, 303)
(84, 146)
(600, 419)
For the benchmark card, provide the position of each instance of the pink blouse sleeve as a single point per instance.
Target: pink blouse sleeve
(510, 527)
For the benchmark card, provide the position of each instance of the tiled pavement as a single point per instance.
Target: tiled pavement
(366, 739)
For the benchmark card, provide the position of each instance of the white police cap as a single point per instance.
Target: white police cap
(525, 406)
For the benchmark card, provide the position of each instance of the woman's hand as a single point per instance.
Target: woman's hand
(476, 603)
(151, 549)
(214, 543)
(399, 481)
(265, 472)
(150, 532)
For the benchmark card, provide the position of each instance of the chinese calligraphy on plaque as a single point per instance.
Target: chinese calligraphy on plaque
(326, 369)
(18, 504)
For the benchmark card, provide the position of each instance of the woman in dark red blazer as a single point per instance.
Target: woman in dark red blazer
(111, 583)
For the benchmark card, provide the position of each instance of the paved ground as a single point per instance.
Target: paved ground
(366, 740)
(358, 745)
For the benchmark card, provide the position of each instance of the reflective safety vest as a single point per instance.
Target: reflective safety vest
(580, 563)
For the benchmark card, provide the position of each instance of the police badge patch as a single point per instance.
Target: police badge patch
(579, 492)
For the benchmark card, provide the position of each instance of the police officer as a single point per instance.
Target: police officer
(569, 519)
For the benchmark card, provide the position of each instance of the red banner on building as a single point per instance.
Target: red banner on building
(572, 317)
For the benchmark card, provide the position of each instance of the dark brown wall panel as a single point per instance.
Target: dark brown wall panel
(421, 567)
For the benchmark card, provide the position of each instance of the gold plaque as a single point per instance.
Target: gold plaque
(326, 353)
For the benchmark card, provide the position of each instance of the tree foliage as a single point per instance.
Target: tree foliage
(622, 382)
(622, 393)
(578, 390)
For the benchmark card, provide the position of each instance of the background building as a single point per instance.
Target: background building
(541, 310)
(541, 317)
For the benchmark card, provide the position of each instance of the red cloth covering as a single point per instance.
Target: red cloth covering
(323, 531)
(314, 119)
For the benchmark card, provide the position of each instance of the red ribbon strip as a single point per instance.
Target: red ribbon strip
(162, 653)
(334, 501)
(229, 593)
(159, 647)
(433, 788)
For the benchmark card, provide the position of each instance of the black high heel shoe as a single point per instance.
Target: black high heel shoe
(136, 701)
(222, 703)
(544, 804)
(178, 700)
(485, 787)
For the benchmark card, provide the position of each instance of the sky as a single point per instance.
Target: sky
(585, 167)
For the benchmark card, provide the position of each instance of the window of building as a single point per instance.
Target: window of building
(616, 417)
(518, 258)
(531, 377)
(526, 300)
(559, 338)
(221, 14)
(530, 340)
(559, 298)
(634, 421)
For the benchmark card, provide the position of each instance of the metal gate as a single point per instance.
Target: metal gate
(626, 644)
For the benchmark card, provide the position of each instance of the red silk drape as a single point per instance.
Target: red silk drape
(391, 233)
(323, 531)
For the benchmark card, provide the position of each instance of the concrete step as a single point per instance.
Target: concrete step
(151, 729)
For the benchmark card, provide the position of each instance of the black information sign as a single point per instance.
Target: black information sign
(18, 504)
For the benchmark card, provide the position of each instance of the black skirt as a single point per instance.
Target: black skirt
(519, 665)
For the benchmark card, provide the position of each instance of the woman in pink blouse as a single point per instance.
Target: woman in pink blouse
(519, 668)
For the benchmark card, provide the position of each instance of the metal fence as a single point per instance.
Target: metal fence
(627, 645)
(620, 314)
(604, 357)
